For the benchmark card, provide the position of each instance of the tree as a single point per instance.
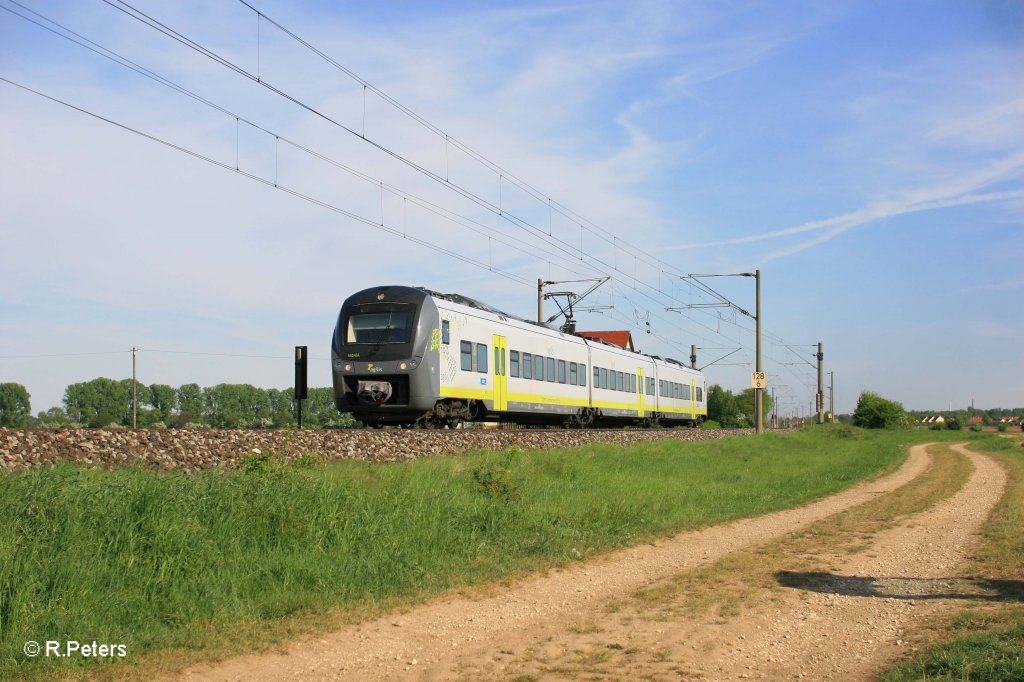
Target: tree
(164, 400)
(722, 407)
(745, 406)
(231, 406)
(53, 417)
(15, 405)
(319, 411)
(282, 412)
(101, 401)
(191, 407)
(875, 412)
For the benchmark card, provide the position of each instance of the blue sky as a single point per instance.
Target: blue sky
(867, 157)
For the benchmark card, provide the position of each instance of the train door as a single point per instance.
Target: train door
(500, 373)
(640, 392)
(693, 399)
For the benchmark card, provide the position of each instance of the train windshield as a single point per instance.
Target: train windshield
(379, 324)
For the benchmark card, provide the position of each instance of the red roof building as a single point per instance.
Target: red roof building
(621, 339)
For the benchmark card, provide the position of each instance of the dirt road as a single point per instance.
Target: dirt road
(843, 623)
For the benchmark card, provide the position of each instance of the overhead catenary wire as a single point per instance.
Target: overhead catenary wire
(563, 246)
(503, 175)
(120, 59)
(251, 176)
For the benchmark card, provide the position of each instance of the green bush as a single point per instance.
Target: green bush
(875, 412)
(710, 424)
(954, 424)
(1001, 428)
(976, 428)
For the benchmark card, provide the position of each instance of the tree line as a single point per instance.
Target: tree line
(106, 402)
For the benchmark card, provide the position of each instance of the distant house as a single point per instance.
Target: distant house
(1009, 420)
(622, 339)
(934, 419)
(976, 420)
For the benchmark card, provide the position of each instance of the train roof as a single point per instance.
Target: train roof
(586, 337)
(480, 305)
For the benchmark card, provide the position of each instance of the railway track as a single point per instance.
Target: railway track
(192, 450)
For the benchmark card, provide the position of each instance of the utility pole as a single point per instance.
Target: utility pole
(134, 395)
(758, 392)
(820, 397)
(831, 398)
(757, 379)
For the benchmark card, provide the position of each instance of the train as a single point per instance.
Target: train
(408, 356)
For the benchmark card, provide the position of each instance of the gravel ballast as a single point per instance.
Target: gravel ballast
(192, 450)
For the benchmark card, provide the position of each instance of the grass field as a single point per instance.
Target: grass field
(189, 567)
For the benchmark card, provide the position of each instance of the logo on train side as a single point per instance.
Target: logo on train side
(374, 369)
(435, 339)
(483, 381)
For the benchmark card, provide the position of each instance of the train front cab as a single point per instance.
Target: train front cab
(384, 356)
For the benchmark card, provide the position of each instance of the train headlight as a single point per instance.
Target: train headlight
(403, 365)
(348, 368)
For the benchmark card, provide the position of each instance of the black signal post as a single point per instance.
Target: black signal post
(301, 391)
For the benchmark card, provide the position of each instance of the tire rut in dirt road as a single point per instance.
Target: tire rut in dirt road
(438, 640)
(850, 624)
(845, 622)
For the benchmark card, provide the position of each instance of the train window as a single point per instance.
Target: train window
(538, 367)
(597, 377)
(551, 369)
(632, 383)
(572, 373)
(604, 378)
(686, 392)
(445, 334)
(661, 387)
(561, 371)
(466, 351)
(700, 394)
(481, 358)
(527, 365)
(513, 363)
(387, 326)
(583, 374)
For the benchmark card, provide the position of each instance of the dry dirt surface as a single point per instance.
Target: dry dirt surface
(579, 623)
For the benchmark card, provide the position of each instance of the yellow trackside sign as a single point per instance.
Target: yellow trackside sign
(758, 380)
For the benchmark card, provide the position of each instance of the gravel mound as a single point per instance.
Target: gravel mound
(192, 450)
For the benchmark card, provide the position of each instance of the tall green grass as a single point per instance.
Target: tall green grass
(209, 561)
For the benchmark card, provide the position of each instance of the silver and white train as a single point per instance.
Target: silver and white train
(409, 356)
